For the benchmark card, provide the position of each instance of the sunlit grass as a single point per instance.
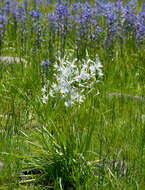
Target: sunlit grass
(98, 144)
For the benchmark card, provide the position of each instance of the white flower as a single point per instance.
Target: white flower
(73, 80)
(68, 103)
(100, 73)
(51, 93)
(44, 98)
(92, 69)
(44, 89)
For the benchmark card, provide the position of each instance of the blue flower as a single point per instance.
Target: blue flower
(130, 17)
(36, 14)
(103, 8)
(74, 7)
(51, 18)
(45, 66)
(111, 29)
(86, 14)
(61, 11)
(140, 35)
(20, 13)
(3, 19)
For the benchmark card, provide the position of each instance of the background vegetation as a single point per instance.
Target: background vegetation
(98, 144)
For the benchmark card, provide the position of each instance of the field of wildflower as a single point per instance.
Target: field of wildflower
(72, 95)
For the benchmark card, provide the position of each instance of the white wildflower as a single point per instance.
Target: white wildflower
(44, 98)
(73, 79)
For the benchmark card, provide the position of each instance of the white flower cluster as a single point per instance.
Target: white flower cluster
(73, 79)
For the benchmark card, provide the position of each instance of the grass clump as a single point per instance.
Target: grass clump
(59, 160)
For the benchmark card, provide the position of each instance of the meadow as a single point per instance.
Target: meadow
(72, 95)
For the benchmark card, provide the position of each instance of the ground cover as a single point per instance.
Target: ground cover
(72, 95)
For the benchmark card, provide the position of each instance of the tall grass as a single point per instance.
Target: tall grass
(98, 144)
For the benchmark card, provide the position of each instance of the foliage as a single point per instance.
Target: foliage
(72, 94)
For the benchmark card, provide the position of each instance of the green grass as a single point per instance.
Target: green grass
(99, 145)
(117, 123)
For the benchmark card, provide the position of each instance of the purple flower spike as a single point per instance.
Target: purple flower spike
(3, 19)
(35, 14)
(51, 18)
